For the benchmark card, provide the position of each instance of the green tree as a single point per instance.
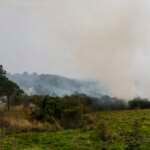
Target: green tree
(7, 87)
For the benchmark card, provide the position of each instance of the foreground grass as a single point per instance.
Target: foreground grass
(67, 140)
(119, 124)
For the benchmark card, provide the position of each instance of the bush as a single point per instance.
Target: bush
(72, 118)
(48, 108)
(139, 103)
(67, 111)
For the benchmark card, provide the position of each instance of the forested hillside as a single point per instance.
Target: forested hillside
(55, 85)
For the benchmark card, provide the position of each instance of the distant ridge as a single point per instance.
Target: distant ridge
(54, 85)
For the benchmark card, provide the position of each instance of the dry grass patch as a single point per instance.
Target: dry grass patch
(19, 119)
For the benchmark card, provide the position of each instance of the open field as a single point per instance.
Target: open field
(116, 130)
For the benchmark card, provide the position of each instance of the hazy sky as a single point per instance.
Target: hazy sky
(108, 40)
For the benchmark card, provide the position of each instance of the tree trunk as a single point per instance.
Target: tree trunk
(8, 103)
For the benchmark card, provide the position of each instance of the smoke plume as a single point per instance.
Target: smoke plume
(104, 39)
(112, 45)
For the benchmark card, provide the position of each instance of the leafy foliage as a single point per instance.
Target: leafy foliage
(139, 103)
(7, 87)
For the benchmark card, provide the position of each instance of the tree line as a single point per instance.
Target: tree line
(15, 96)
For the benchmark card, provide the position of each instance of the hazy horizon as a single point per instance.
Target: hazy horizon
(98, 39)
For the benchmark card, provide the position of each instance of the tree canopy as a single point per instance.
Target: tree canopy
(7, 87)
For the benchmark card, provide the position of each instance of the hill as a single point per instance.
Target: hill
(54, 85)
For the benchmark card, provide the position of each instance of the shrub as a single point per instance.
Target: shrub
(67, 110)
(139, 103)
(72, 118)
(48, 108)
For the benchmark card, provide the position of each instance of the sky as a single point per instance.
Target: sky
(107, 40)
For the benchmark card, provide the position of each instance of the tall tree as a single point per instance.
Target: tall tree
(7, 87)
(2, 71)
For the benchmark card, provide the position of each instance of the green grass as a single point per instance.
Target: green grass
(67, 140)
(120, 123)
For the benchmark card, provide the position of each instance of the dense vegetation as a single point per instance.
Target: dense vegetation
(7, 87)
(76, 122)
(118, 130)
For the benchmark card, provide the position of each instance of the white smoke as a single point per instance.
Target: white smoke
(104, 39)
(113, 46)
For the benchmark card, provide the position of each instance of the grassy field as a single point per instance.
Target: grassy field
(115, 130)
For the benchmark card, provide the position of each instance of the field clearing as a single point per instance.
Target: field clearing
(119, 124)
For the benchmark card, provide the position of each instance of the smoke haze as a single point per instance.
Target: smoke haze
(108, 40)
(115, 49)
